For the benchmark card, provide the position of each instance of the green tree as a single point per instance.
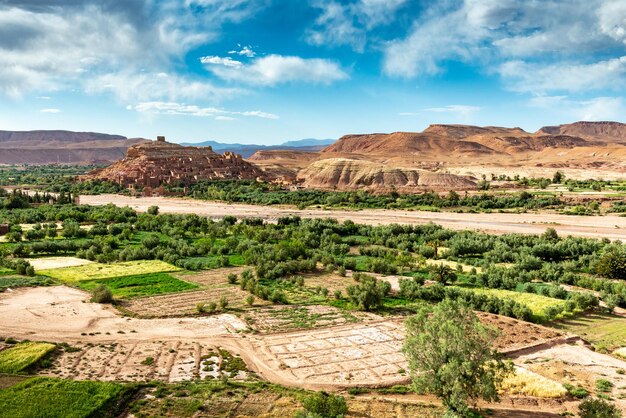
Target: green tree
(442, 273)
(368, 293)
(598, 408)
(612, 264)
(450, 355)
(558, 177)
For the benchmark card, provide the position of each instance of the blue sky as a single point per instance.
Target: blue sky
(267, 71)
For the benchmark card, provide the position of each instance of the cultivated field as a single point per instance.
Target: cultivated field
(95, 271)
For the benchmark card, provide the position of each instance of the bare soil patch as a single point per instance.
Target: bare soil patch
(169, 361)
(214, 285)
(272, 319)
(578, 365)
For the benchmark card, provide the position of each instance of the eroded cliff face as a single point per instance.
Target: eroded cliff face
(349, 174)
(156, 163)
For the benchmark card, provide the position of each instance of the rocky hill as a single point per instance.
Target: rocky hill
(50, 147)
(349, 174)
(611, 132)
(152, 164)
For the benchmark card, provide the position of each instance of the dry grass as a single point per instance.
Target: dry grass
(527, 383)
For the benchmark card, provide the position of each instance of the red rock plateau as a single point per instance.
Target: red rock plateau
(153, 164)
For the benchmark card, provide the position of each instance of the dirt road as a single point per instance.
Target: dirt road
(610, 226)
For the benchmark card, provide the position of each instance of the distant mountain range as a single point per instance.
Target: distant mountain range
(67, 147)
(246, 150)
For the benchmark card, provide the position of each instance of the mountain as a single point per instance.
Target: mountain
(247, 150)
(49, 147)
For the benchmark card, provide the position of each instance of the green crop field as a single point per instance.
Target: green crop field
(604, 331)
(128, 287)
(50, 397)
(536, 303)
(21, 356)
(97, 271)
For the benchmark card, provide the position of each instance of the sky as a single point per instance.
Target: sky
(268, 71)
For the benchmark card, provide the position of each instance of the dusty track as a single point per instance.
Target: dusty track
(611, 227)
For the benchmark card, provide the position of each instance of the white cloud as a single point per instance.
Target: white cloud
(277, 69)
(50, 45)
(545, 46)
(44, 97)
(146, 86)
(50, 110)
(174, 108)
(245, 51)
(525, 77)
(343, 23)
(225, 61)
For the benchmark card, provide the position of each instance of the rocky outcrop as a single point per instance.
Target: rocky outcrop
(349, 174)
(157, 163)
(610, 132)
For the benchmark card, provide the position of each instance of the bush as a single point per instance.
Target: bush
(232, 278)
(598, 408)
(153, 210)
(369, 293)
(223, 303)
(603, 385)
(250, 300)
(101, 294)
(325, 405)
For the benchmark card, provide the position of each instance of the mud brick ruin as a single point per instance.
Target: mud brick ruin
(154, 164)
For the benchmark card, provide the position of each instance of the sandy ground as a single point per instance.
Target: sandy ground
(610, 226)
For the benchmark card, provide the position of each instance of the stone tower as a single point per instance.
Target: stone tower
(160, 139)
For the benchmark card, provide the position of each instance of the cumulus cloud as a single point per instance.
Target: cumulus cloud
(348, 23)
(277, 69)
(50, 45)
(531, 77)
(535, 46)
(174, 108)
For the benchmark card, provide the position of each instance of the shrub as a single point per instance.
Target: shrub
(223, 303)
(598, 408)
(232, 278)
(325, 405)
(369, 293)
(250, 300)
(200, 307)
(153, 210)
(576, 391)
(211, 307)
(101, 294)
(603, 385)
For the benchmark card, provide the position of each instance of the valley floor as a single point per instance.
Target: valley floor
(611, 226)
